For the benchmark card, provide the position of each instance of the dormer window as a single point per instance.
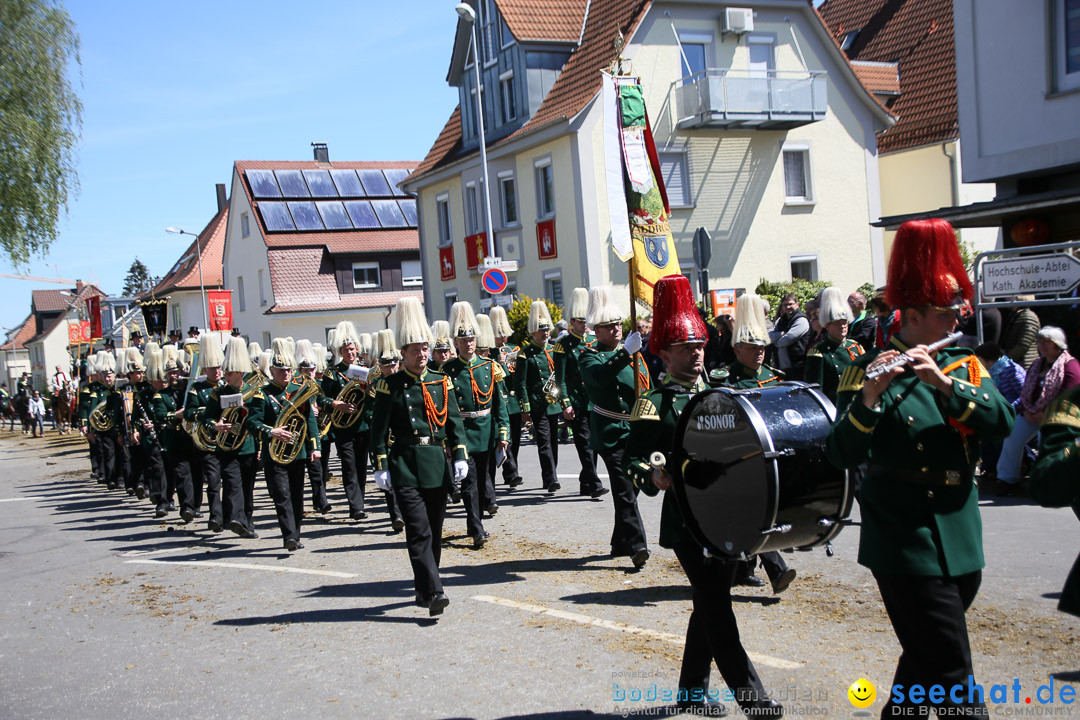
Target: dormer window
(849, 39)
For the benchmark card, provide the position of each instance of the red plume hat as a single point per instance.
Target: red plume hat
(675, 315)
(925, 267)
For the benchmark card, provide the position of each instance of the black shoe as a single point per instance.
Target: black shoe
(161, 511)
(187, 515)
(515, 482)
(492, 509)
(198, 514)
(299, 545)
(325, 509)
(600, 492)
(140, 492)
(554, 486)
(640, 557)
(397, 525)
(171, 506)
(763, 708)
(704, 708)
(358, 515)
(437, 604)
(419, 601)
(479, 540)
(781, 582)
(291, 545)
(214, 526)
(252, 535)
(131, 491)
(750, 580)
(1007, 489)
(239, 528)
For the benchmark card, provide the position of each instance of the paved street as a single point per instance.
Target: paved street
(106, 612)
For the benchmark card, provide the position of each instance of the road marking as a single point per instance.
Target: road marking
(58, 497)
(773, 662)
(242, 566)
(163, 551)
(574, 475)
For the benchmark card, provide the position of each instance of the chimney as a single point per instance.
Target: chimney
(222, 199)
(322, 153)
(78, 285)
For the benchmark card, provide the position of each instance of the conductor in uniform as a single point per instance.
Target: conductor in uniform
(918, 427)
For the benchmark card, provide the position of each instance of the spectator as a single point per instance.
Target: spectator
(1055, 370)
(644, 325)
(791, 336)
(863, 326)
(725, 353)
(817, 331)
(886, 319)
(991, 318)
(1008, 378)
(37, 414)
(562, 328)
(1019, 326)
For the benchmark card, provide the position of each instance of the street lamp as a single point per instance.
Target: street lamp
(202, 287)
(466, 13)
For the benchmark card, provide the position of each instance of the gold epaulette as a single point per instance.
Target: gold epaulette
(382, 386)
(644, 410)
(851, 380)
(497, 372)
(559, 348)
(1062, 412)
(813, 352)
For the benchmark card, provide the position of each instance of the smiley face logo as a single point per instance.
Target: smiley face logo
(862, 693)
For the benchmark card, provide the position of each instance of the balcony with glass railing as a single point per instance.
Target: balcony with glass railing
(719, 98)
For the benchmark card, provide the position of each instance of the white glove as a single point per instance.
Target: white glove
(461, 469)
(382, 480)
(632, 343)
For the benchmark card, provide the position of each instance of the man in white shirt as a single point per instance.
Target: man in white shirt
(791, 336)
(37, 414)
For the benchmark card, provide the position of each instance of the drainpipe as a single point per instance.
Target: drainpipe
(953, 189)
(386, 320)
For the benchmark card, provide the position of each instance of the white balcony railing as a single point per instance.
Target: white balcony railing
(765, 99)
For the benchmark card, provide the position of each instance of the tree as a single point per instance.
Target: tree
(137, 279)
(40, 124)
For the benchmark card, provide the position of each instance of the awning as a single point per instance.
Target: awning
(991, 213)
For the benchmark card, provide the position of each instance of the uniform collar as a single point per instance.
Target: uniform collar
(696, 386)
(413, 375)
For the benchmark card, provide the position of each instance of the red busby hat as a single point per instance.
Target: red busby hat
(925, 267)
(675, 315)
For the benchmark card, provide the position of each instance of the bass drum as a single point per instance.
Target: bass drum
(749, 470)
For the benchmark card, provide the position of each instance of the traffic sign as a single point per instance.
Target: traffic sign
(1055, 274)
(702, 247)
(498, 262)
(494, 280)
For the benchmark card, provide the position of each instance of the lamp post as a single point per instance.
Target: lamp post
(202, 287)
(466, 13)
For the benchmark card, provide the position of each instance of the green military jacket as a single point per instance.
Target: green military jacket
(420, 428)
(608, 376)
(533, 368)
(826, 362)
(1055, 479)
(567, 354)
(736, 375)
(88, 398)
(652, 428)
(333, 381)
(195, 402)
(213, 413)
(113, 408)
(265, 406)
(172, 436)
(910, 528)
(479, 394)
(144, 407)
(512, 405)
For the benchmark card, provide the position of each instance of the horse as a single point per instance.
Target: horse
(19, 407)
(61, 408)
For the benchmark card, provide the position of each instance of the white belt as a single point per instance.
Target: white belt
(477, 414)
(610, 414)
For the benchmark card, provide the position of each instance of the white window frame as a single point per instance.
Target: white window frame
(416, 280)
(691, 37)
(539, 166)
(487, 34)
(469, 201)
(240, 292)
(808, 175)
(442, 220)
(366, 266)
(262, 290)
(507, 177)
(449, 298)
(266, 340)
(548, 276)
(1063, 81)
(805, 258)
(687, 199)
(245, 225)
(506, 83)
(177, 318)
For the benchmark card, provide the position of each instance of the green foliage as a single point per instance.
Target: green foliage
(518, 315)
(40, 124)
(138, 279)
(802, 289)
(867, 289)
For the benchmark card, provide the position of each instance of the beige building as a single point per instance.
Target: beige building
(766, 137)
(50, 313)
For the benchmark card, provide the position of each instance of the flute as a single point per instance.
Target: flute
(904, 358)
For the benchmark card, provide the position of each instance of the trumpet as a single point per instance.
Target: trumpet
(291, 418)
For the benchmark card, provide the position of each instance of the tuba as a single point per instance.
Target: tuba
(551, 389)
(354, 393)
(100, 420)
(201, 437)
(294, 420)
(231, 440)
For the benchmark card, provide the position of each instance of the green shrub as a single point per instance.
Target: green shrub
(518, 315)
(803, 290)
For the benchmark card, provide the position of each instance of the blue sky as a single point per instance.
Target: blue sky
(173, 93)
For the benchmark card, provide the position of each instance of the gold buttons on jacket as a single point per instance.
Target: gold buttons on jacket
(930, 494)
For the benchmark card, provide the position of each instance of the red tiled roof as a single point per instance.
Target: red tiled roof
(878, 78)
(73, 297)
(184, 275)
(352, 241)
(52, 300)
(21, 335)
(918, 35)
(304, 281)
(544, 20)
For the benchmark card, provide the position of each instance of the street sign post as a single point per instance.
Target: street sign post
(702, 256)
(494, 280)
(1055, 274)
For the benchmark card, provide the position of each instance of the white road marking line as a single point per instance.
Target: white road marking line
(574, 475)
(59, 497)
(32, 497)
(144, 553)
(623, 627)
(242, 566)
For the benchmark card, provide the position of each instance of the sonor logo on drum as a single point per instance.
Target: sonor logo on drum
(716, 422)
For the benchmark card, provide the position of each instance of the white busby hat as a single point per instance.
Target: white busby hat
(305, 354)
(254, 351)
(833, 306)
(155, 366)
(331, 342)
(210, 354)
(106, 362)
(578, 307)
(412, 326)
(485, 336)
(750, 321)
(282, 354)
(264, 362)
(367, 345)
(320, 358)
(500, 324)
(345, 334)
(170, 358)
(440, 330)
(149, 347)
(133, 361)
(539, 317)
(91, 365)
(603, 310)
(385, 347)
(462, 320)
(237, 358)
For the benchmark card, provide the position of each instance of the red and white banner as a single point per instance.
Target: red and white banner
(74, 333)
(93, 311)
(446, 263)
(85, 331)
(220, 302)
(545, 240)
(475, 250)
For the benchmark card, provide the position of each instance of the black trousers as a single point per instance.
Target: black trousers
(927, 614)
(238, 487)
(206, 471)
(286, 486)
(317, 480)
(154, 477)
(772, 561)
(110, 468)
(352, 451)
(510, 465)
(95, 457)
(185, 466)
(588, 480)
(130, 465)
(712, 635)
(545, 433)
(422, 509)
(471, 491)
(628, 534)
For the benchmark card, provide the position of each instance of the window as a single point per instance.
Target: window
(177, 322)
(365, 275)
(1067, 44)
(506, 89)
(262, 290)
(449, 297)
(553, 286)
(545, 190)
(245, 225)
(797, 185)
(442, 214)
(849, 39)
(266, 341)
(507, 36)
(411, 275)
(118, 312)
(240, 292)
(487, 21)
(696, 51)
(676, 178)
(471, 212)
(804, 267)
(508, 198)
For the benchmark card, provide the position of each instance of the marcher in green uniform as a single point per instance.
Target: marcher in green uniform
(483, 413)
(88, 393)
(105, 434)
(614, 373)
(442, 349)
(418, 407)
(145, 426)
(178, 443)
(506, 355)
(206, 471)
(918, 427)
(827, 361)
(387, 358)
(352, 443)
(534, 377)
(158, 408)
(311, 359)
(678, 337)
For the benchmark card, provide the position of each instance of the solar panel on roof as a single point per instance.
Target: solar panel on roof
(319, 183)
(363, 217)
(394, 177)
(306, 216)
(292, 183)
(262, 183)
(348, 185)
(374, 183)
(334, 215)
(408, 207)
(389, 213)
(276, 216)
